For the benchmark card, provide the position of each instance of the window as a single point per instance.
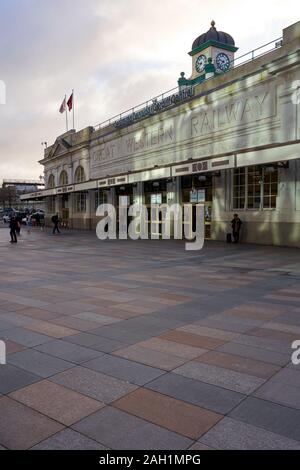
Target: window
(239, 182)
(80, 202)
(255, 187)
(79, 175)
(100, 198)
(63, 179)
(51, 181)
(51, 204)
(270, 188)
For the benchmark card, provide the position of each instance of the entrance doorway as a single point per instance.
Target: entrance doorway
(155, 193)
(198, 189)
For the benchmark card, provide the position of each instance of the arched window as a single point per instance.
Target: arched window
(79, 175)
(63, 179)
(51, 181)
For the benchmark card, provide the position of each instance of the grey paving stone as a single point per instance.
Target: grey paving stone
(118, 430)
(16, 319)
(2, 448)
(68, 351)
(219, 376)
(25, 337)
(230, 434)
(123, 369)
(12, 378)
(94, 384)
(68, 440)
(252, 352)
(269, 344)
(290, 318)
(5, 325)
(196, 392)
(227, 323)
(281, 393)
(38, 363)
(270, 416)
(122, 335)
(98, 343)
(288, 375)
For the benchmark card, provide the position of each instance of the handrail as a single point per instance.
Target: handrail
(235, 63)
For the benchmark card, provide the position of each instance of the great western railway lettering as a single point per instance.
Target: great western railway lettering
(236, 112)
(146, 139)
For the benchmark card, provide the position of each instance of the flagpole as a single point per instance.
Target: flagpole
(73, 109)
(66, 112)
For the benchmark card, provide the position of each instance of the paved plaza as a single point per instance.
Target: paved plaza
(143, 345)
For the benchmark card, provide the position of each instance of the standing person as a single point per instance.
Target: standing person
(37, 219)
(18, 221)
(13, 225)
(55, 221)
(236, 227)
(42, 223)
(28, 222)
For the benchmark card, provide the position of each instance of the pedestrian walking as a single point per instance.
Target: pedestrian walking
(13, 225)
(55, 221)
(28, 223)
(236, 227)
(19, 222)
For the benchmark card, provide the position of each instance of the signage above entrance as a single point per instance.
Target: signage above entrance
(113, 181)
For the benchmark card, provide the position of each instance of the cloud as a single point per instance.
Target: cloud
(115, 54)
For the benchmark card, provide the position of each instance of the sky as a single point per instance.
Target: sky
(115, 54)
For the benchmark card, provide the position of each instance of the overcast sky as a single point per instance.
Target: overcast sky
(114, 53)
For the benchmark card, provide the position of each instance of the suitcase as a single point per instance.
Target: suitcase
(228, 238)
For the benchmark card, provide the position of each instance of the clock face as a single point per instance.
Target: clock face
(222, 62)
(200, 63)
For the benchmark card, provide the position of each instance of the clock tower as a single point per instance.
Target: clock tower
(213, 50)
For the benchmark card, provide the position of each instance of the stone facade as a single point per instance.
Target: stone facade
(246, 117)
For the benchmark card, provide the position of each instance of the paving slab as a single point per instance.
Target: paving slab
(68, 440)
(230, 434)
(31, 428)
(13, 378)
(57, 402)
(118, 430)
(196, 392)
(99, 386)
(252, 352)
(68, 351)
(95, 342)
(221, 377)
(124, 369)
(171, 347)
(150, 357)
(25, 337)
(38, 363)
(186, 419)
(270, 416)
(245, 365)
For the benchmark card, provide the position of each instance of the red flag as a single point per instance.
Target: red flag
(63, 106)
(70, 102)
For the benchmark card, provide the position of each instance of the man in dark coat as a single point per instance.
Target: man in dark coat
(55, 221)
(13, 225)
(236, 226)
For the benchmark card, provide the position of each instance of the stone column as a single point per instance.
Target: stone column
(138, 193)
(87, 222)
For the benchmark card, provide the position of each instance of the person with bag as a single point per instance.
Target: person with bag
(236, 227)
